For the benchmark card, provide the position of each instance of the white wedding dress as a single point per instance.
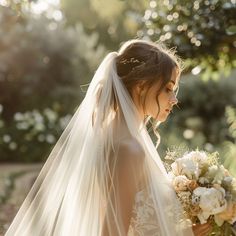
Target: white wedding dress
(144, 220)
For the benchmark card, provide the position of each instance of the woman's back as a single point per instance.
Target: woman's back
(126, 166)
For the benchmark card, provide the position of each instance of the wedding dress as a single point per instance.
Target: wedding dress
(76, 191)
(144, 221)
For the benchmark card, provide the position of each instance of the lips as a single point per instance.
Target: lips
(168, 110)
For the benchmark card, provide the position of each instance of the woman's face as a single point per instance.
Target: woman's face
(167, 99)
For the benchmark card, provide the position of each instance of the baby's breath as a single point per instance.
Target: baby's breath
(213, 158)
(173, 153)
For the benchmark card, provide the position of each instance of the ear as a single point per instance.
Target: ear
(138, 89)
(141, 87)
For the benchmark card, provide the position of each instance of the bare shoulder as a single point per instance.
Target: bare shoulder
(131, 158)
(131, 149)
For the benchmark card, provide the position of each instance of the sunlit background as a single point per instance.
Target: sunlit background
(49, 49)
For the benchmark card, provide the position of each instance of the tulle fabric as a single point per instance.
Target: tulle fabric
(76, 192)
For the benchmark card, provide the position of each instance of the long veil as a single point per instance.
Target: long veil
(74, 189)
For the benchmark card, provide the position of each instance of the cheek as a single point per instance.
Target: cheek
(163, 99)
(152, 104)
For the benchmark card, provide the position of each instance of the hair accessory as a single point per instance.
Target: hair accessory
(131, 60)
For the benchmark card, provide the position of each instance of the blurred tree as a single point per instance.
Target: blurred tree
(204, 32)
(229, 147)
(114, 20)
(42, 64)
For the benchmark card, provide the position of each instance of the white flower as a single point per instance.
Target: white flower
(212, 201)
(209, 175)
(215, 174)
(219, 175)
(200, 157)
(180, 183)
(186, 166)
(212, 171)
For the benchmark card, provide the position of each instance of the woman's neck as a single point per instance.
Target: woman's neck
(121, 130)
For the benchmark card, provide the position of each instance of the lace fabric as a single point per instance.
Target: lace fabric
(144, 220)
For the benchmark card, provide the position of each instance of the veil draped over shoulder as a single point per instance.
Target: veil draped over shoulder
(76, 190)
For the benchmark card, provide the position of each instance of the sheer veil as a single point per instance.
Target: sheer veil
(76, 188)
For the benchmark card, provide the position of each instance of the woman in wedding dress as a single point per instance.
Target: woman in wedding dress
(104, 176)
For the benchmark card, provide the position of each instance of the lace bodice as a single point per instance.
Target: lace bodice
(144, 221)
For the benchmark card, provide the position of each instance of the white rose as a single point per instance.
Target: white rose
(180, 183)
(186, 166)
(212, 201)
(199, 156)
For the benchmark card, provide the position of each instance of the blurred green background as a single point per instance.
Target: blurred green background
(49, 48)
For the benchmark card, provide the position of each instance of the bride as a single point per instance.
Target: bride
(104, 176)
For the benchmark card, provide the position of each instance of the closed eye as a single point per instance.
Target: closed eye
(169, 90)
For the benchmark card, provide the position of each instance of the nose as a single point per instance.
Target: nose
(173, 100)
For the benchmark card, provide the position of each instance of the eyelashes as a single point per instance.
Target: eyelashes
(169, 90)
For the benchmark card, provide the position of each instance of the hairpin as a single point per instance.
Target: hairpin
(131, 60)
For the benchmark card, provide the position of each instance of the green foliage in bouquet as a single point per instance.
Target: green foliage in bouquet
(224, 230)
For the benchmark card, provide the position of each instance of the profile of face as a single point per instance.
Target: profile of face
(166, 98)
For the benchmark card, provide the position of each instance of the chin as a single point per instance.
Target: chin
(162, 118)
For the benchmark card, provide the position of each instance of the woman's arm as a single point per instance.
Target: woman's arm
(128, 172)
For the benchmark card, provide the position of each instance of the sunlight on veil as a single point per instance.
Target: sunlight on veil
(77, 184)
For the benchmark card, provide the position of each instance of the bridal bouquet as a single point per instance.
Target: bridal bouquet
(204, 187)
